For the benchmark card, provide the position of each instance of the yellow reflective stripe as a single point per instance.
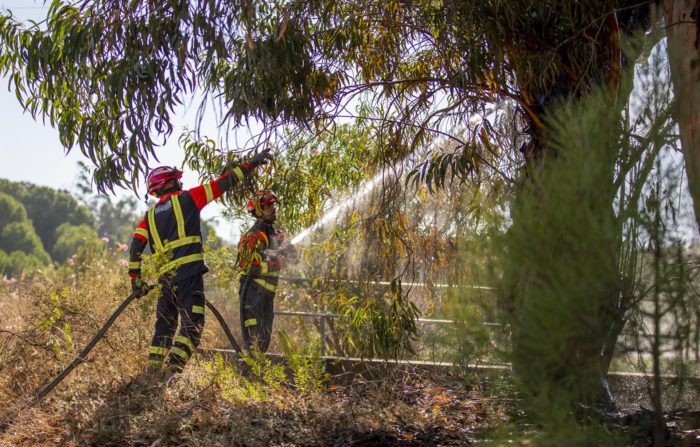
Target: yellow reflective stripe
(178, 216)
(250, 322)
(265, 284)
(184, 241)
(154, 229)
(158, 350)
(238, 172)
(184, 260)
(209, 193)
(142, 231)
(134, 265)
(185, 341)
(198, 310)
(179, 352)
(155, 362)
(264, 268)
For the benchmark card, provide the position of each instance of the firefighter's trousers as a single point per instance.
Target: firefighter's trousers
(183, 299)
(257, 314)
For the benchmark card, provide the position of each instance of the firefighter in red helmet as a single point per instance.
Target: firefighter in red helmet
(262, 252)
(173, 223)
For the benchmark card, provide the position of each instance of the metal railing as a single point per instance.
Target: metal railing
(324, 316)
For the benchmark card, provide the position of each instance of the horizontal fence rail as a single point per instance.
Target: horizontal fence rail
(324, 316)
(300, 279)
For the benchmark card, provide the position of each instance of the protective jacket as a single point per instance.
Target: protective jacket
(260, 274)
(253, 261)
(174, 223)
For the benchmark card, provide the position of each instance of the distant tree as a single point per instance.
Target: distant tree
(48, 209)
(69, 238)
(11, 210)
(20, 246)
(683, 34)
(20, 236)
(13, 264)
(209, 235)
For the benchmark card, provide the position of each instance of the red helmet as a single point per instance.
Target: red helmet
(264, 197)
(161, 175)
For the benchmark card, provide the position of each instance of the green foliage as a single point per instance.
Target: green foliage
(20, 236)
(48, 321)
(52, 321)
(71, 237)
(20, 247)
(593, 250)
(306, 366)
(112, 87)
(209, 236)
(263, 380)
(211, 160)
(17, 262)
(11, 210)
(418, 73)
(314, 171)
(47, 209)
(564, 275)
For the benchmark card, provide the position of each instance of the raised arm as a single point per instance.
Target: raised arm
(208, 192)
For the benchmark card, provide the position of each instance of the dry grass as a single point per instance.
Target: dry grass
(197, 411)
(108, 401)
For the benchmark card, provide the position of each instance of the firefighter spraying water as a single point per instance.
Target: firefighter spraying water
(262, 253)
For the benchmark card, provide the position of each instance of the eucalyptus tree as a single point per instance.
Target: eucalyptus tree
(682, 25)
(111, 74)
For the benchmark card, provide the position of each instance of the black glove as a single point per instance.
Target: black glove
(139, 287)
(260, 158)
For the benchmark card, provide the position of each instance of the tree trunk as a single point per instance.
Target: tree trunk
(682, 30)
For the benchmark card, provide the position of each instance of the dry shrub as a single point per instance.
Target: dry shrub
(109, 401)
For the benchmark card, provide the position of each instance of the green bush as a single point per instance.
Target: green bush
(16, 262)
(47, 208)
(69, 238)
(20, 247)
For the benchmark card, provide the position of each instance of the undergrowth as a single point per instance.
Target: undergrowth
(253, 401)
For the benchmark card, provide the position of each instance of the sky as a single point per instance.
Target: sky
(31, 151)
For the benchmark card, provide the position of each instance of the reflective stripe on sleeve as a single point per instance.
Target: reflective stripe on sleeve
(250, 322)
(142, 232)
(135, 265)
(208, 192)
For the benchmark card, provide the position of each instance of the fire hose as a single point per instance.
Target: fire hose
(46, 389)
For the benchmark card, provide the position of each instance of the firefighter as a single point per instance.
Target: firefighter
(173, 223)
(262, 252)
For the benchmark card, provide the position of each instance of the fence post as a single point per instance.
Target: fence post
(323, 328)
